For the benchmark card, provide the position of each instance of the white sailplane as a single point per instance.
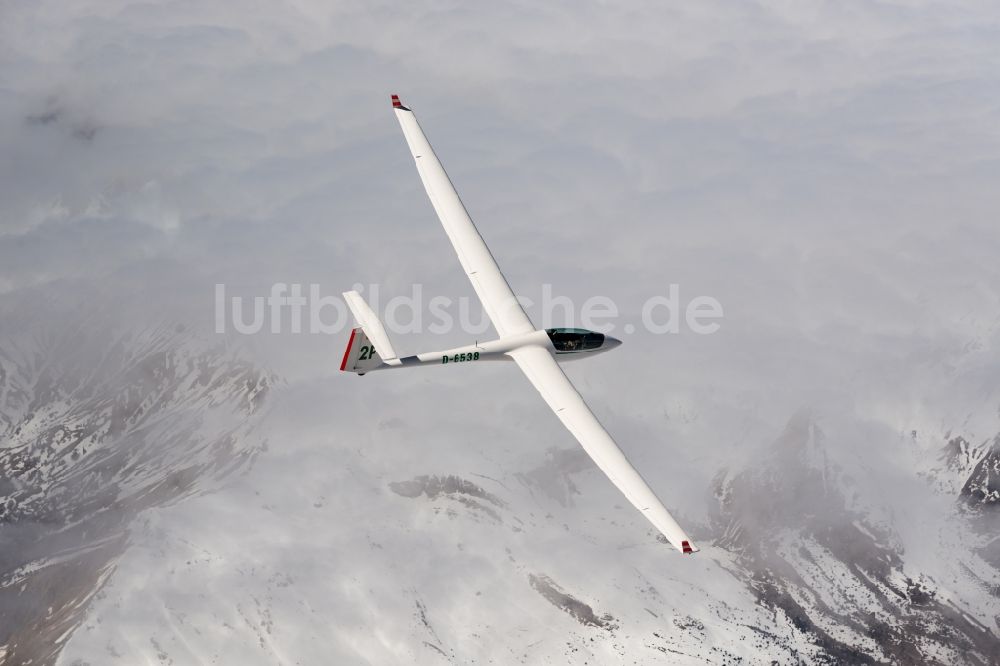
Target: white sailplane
(536, 352)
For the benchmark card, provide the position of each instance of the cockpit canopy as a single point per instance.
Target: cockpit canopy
(567, 340)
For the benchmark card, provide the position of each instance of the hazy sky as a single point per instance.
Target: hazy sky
(826, 170)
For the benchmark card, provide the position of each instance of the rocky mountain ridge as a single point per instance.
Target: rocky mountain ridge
(94, 428)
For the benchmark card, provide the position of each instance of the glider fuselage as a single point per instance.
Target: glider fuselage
(566, 343)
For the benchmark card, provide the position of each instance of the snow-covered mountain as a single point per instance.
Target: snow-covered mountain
(349, 541)
(841, 577)
(95, 427)
(328, 551)
(981, 488)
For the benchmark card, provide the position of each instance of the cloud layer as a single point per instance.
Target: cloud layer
(827, 171)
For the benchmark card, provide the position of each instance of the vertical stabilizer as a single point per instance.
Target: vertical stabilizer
(371, 324)
(369, 347)
(361, 356)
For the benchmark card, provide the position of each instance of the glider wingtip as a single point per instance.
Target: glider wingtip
(687, 548)
(397, 104)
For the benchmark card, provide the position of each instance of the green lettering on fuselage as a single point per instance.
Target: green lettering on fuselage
(460, 358)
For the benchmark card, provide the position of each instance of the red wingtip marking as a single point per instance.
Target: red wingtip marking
(686, 547)
(396, 104)
(347, 352)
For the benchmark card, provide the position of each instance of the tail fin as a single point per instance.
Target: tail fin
(360, 356)
(369, 345)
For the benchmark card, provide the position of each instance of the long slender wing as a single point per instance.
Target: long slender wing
(501, 306)
(541, 368)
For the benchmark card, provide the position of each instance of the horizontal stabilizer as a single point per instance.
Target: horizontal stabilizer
(371, 324)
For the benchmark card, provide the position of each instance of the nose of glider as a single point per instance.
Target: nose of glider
(611, 342)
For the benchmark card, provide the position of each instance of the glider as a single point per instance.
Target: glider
(536, 352)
